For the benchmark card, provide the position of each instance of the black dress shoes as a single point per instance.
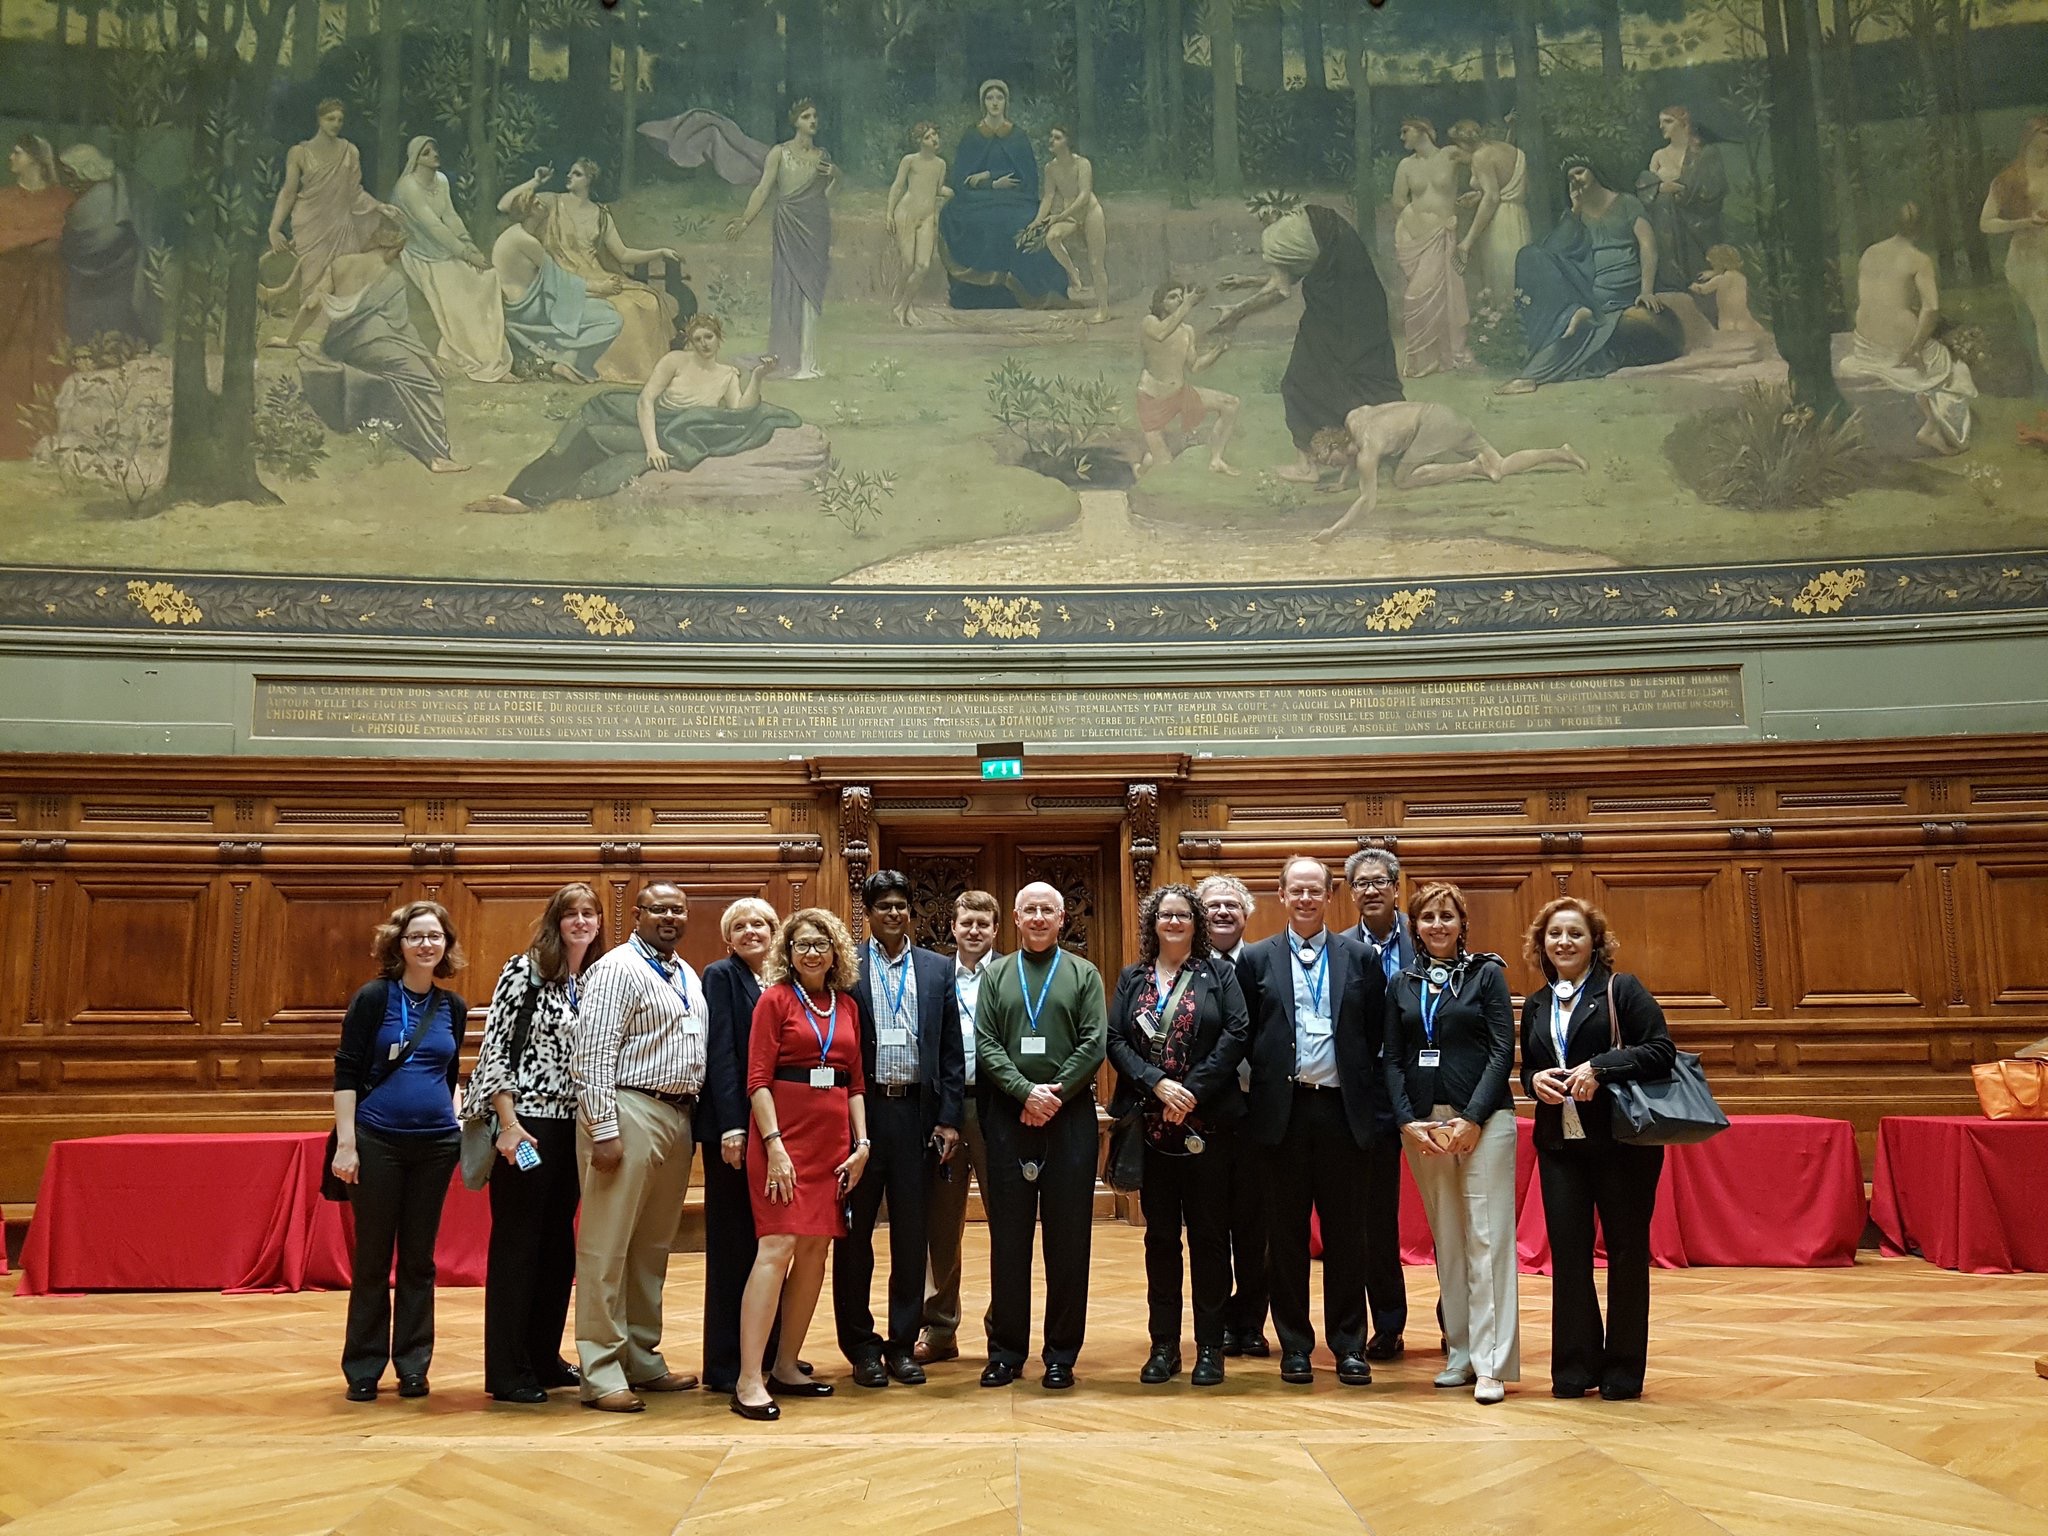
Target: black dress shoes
(362, 1391)
(1256, 1346)
(1353, 1371)
(1233, 1343)
(1058, 1378)
(1295, 1368)
(1621, 1391)
(998, 1373)
(870, 1372)
(906, 1370)
(1566, 1389)
(562, 1375)
(1385, 1346)
(1163, 1365)
(763, 1414)
(520, 1395)
(1208, 1366)
(805, 1388)
(413, 1386)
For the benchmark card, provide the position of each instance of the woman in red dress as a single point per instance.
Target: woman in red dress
(32, 278)
(804, 1082)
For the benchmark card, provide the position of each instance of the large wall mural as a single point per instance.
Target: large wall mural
(905, 321)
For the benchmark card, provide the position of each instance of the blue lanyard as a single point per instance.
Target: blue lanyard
(410, 1014)
(679, 981)
(1033, 1010)
(1314, 976)
(830, 1032)
(575, 991)
(893, 999)
(1432, 1000)
(1560, 1022)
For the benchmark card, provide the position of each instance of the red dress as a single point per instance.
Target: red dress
(816, 1129)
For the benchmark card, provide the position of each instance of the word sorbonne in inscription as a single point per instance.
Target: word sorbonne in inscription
(310, 708)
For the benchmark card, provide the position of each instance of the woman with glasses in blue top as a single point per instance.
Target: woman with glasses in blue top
(396, 1142)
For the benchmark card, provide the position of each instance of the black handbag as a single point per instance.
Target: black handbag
(1676, 1112)
(480, 1125)
(1125, 1171)
(331, 1188)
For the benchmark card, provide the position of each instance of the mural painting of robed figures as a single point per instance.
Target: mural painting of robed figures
(809, 293)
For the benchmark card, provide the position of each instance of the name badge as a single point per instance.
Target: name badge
(1148, 1023)
(693, 1024)
(893, 1034)
(1428, 1058)
(1314, 1028)
(824, 1077)
(396, 1047)
(1031, 1045)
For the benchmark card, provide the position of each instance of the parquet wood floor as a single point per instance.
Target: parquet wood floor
(1891, 1399)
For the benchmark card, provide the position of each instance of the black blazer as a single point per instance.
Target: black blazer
(730, 992)
(1646, 1050)
(1223, 1033)
(1358, 1019)
(941, 1055)
(1475, 1035)
(354, 1067)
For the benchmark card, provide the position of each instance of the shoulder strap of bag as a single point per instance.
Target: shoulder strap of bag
(522, 1026)
(379, 1079)
(1613, 1018)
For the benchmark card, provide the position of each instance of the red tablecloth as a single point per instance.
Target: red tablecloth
(210, 1213)
(1964, 1193)
(1771, 1191)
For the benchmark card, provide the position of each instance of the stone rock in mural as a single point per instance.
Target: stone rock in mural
(780, 468)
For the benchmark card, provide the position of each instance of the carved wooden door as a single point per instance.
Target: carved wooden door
(1080, 863)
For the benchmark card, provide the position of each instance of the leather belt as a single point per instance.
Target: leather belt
(682, 1101)
(894, 1090)
(840, 1078)
(1302, 1087)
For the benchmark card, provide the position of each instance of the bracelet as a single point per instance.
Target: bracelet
(771, 1135)
(863, 1142)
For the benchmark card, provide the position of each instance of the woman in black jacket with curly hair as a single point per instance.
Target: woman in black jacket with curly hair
(1590, 1027)
(1178, 1027)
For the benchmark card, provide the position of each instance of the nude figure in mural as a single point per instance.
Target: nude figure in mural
(1499, 201)
(1165, 392)
(1069, 206)
(2017, 205)
(913, 215)
(1434, 445)
(1435, 312)
(1727, 285)
(1898, 306)
(323, 197)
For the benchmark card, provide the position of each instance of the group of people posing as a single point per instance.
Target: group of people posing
(1271, 1085)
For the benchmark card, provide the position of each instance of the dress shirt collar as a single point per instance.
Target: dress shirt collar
(1315, 942)
(670, 964)
(974, 970)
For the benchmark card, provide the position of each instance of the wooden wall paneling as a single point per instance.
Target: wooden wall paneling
(140, 957)
(1851, 929)
(2010, 930)
(308, 945)
(1677, 924)
(1501, 898)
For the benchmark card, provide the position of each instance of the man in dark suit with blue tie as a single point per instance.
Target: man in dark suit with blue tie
(1374, 875)
(1317, 1003)
(916, 1080)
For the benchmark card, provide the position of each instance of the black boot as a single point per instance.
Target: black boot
(1208, 1366)
(1163, 1365)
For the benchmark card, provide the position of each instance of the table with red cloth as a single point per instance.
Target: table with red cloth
(1963, 1192)
(211, 1213)
(1771, 1191)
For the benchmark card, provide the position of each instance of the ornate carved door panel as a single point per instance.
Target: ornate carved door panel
(1081, 863)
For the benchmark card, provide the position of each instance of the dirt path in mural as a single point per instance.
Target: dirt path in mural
(1108, 545)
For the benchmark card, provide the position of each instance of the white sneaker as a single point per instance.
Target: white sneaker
(1488, 1391)
(1454, 1378)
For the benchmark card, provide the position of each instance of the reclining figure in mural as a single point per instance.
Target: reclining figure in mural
(371, 369)
(1434, 446)
(1343, 353)
(1588, 292)
(1898, 306)
(692, 408)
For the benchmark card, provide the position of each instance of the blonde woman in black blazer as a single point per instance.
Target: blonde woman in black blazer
(1450, 1050)
(1178, 1065)
(1584, 1169)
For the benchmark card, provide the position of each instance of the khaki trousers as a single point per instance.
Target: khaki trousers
(1471, 1206)
(622, 1242)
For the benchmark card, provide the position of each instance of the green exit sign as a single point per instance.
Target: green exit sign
(1002, 768)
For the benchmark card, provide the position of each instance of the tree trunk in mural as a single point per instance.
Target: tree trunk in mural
(1852, 187)
(1970, 152)
(390, 95)
(357, 20)
(1530, 136)
(483, 158)
(1222, 29)
(518, 41)
(1489, 78)
(1152, 26)
(213, 432)
(1610, 38)
(1314, 48)
(1365, 191)
(306, 40)
(1802, 323)
(1177, 192)
(1265, 61)
(629, 96)
(1084, 74)
(763, 77)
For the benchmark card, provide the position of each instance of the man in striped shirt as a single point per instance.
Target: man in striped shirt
(638, 1063)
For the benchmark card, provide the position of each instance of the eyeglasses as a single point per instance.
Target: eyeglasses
(1227, 908)
(1372, 883)
(426, 938)
(666, 911)
(811, 946)
(1038, 912)
(1176, 917)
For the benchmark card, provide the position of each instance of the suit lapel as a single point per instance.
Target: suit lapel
(1334, 977)
(1588, 1008)
(1283, 949)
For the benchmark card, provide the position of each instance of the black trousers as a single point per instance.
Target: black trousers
(1318, 1166)
(1191, 1192)
(1062, 1200)
(729, 1250)
(397, 1199)
(898, 1167)
(533, 1261)
(1246, 1313)
(1619, 1182)
(1386, 1283)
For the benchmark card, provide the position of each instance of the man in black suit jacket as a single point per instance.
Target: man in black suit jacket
(916, 1077)
(1317, 1003)
(1374, 876)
